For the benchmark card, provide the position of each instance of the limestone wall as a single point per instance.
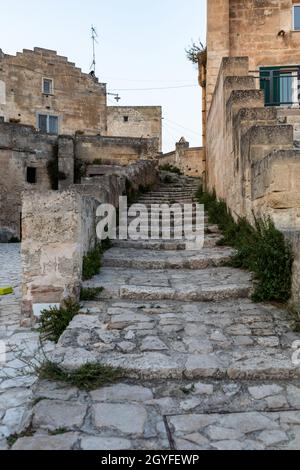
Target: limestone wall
(293, 236)
(59, 227)
(261, 30)
(114, 150)
(135, 121)
(190, 160)
(251, 160)
(77, 99)
(21, 148)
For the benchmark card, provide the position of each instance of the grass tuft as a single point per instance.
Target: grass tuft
(87, 377)
(261, 248)
(88, 294)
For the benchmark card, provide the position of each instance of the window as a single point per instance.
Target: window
(48, 86)
(126, 118)
(48, 124)
(296, 15)
(31, 175)
(280, 85)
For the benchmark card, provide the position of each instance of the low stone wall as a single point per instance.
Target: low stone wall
(190, 160)
(115, 150)
(59, 227)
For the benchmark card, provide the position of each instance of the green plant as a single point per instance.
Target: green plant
(58, 431)
(92, 263)
(54, 321)
(98, 161)
(171, 169)
(261, 248)
(196, 53)
(12, 439)
(87, 294)
(87, 377)
(92, 260)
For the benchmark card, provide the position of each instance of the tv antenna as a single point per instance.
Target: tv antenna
(95, 41)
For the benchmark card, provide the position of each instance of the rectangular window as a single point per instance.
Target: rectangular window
(296, 15)
(126, 118)
(48, 124)
(48, 86)
(31, 175)
(280, 85)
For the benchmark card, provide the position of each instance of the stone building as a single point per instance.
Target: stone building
(190, 160)
(250, 78)
(44, 90)
(135, 121)
(54, 128)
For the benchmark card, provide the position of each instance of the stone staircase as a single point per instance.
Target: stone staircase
(205, 367)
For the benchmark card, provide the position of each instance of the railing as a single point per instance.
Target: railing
(281, 88)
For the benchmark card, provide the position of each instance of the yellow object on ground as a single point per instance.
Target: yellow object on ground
(6, 290)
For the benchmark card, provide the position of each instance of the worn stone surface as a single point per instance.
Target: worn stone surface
(210, 375)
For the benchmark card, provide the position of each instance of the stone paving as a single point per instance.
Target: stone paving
(204, 367)
(21, 345)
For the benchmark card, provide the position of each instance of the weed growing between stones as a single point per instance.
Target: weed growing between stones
(261, 248)
(12, 439)
(92, 260)
(87, 377)
(171, 169)
(54, 321)
(93, 293)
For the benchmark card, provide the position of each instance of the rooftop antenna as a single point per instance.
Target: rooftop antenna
(94, 39)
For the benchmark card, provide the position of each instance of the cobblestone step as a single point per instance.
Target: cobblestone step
(145, 259)
(168, 245)
(186, 285)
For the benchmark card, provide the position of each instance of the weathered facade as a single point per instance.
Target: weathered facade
(252, 103)
(266, 31)
(190, 160)
(44, 90)
(135, 121)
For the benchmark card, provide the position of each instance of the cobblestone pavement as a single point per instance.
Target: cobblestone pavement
(21, 345)
(205, 368)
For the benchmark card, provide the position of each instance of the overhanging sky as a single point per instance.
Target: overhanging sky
(141, 45)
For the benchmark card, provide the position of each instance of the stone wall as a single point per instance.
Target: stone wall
(114, 150)
(78, 99)
(21, 148)
(261, 30)
(59, 227)
(293, 236)
(135, 121)
(251, 160)
(190, 160)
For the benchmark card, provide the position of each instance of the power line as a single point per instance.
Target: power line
(183, 127)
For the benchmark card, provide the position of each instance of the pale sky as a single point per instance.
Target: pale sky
(141, 45)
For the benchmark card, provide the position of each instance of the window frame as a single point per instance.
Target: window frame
(47, 122)
(52, 86)
(295, 5)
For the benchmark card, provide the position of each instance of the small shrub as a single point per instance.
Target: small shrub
(98, 161)
(170, 169)
(54, 321)
(260, 248)
(87, 294)
(167, 180)
(58, 431)
(92, 260)
(87, 377)
(92, 263)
